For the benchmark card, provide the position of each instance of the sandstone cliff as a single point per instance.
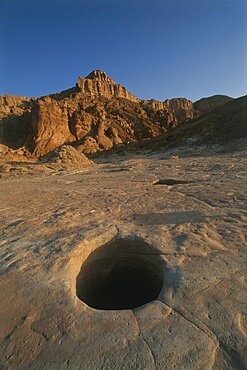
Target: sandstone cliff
(97, 83)
(94, 115)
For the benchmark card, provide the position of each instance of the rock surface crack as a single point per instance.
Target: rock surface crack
(145, 341)
(196, 322)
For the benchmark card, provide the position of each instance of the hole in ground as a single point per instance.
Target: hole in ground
(123, 274)
(171, 182)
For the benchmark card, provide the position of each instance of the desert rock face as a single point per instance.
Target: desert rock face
(15, 120)
(96, 110)
(97, 83)
(50, 126)
(13, 105)
(180, 108)
(94, 115)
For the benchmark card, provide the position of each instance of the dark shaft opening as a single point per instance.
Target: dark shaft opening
(114, 282)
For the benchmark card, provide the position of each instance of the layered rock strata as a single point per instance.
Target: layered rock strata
(94, 115)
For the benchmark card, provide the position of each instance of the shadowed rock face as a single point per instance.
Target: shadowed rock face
(15, 121)
(224, 126)
(95, 114)
(205, 105)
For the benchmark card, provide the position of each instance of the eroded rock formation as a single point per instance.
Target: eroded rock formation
(94, 115)
(97, 83)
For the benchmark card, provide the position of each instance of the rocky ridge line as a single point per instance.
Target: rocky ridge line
(94, 115)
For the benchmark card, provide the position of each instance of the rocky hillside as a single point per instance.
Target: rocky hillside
(205, 105)
(224, 125)
(94, 115)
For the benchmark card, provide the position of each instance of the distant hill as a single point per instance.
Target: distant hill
(205, 105)
(222, 125)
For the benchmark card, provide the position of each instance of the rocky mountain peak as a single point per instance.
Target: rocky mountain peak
(99, 75)
(98, 83)
(95, 114)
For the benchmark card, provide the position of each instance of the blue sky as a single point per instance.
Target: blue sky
(156, 49)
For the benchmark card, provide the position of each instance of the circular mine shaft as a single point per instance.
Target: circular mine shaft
(122, 275)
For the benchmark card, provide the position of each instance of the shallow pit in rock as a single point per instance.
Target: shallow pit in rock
(118, 170)
(123, 274)
(171, 182)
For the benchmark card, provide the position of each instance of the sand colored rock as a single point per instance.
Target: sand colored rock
(18, 155)
(50, 126)
(16, 163)
(97, 83)
(89, 146)
(67, 156)
(180, 109)
(11, 104)
(187, 233)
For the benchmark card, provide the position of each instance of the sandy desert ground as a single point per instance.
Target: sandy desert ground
(195, 228)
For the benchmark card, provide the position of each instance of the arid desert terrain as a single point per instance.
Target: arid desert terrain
(122, 252)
